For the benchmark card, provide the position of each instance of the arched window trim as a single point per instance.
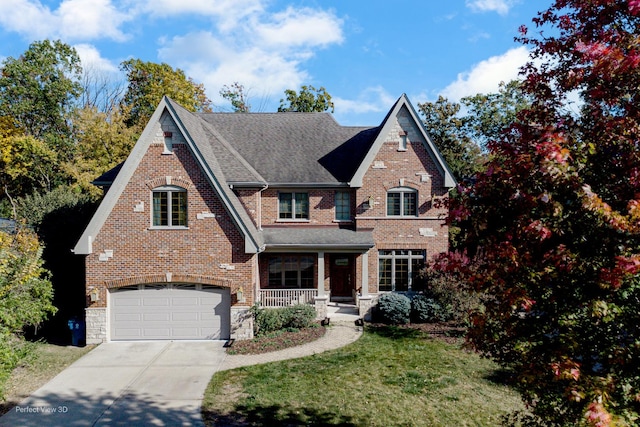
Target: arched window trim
(402, 202)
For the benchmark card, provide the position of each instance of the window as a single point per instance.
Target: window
(291, 271)
(169, 207)
(402, 201)
(293, 206)
(343, 206)
(398, 270)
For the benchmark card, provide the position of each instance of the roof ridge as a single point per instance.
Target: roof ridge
(229, 147)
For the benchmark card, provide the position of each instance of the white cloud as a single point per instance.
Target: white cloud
(218, 63)
(373, 99)
(500, 6)
(300, 27)
(264, 52)
(228, 13)
(73, 20)
(92, 60)
(485, 76)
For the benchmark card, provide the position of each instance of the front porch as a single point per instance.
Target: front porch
(335, 310)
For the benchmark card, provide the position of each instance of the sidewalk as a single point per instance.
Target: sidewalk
(340, 332)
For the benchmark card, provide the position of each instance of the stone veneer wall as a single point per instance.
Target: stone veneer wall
(241, 323)
(96, 325)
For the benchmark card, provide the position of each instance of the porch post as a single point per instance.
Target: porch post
(322, 298)
(364, 280)
(365, 302)
(320, 274)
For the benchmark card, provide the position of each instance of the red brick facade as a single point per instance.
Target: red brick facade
(126, 249)
(210, 250)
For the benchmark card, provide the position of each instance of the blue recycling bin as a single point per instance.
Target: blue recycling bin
(77, 328)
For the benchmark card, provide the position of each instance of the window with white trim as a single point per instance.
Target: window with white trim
(293, 206)
(294, 271)
(169, 207)
(402, 201)
(343, 206)
(398, 270)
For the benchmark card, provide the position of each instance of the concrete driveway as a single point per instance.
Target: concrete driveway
(126, 384)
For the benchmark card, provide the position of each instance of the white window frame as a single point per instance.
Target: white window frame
(403, 191)
(394, 255)
(170, 190)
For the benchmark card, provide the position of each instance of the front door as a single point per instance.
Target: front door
(342, 275)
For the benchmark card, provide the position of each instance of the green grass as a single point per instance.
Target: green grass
(39, 362)
(390, 377)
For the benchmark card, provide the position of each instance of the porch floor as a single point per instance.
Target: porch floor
(340, 311)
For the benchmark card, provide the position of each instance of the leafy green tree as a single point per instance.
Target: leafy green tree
(488, 116)
(552, 227)
(25, 289)
(38, 89)
(26, 164)
(308, 100)
(101, 141)
(446, 127)
(148, 82)
(237, 96)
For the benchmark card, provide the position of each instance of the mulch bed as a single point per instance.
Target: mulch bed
(276, 341)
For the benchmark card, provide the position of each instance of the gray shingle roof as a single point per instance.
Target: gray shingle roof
(293, 147)
(320, 237)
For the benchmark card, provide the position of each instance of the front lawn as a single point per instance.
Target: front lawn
(40, 362)
(390, 376)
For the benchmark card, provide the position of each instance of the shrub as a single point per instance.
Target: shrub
(394, 308)
(451, 293)
(299, 316)
(268, 320)
(426, 310)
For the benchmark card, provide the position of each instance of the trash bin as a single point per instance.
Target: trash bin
(76, 326)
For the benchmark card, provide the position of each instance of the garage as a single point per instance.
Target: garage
(169, 312)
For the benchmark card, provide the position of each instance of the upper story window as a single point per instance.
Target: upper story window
(293, 206)
(169, 207)
(343, 206)
(402, 201)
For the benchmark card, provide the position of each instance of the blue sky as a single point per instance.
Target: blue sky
(365, 53)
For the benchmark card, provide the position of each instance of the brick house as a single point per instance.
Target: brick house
(213, 212)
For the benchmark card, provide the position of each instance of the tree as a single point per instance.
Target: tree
(25, 289)
(27, 164)
(101, 141)
(488, 116)
(443, 124)
(552, 227)
(37, 90)
(237, 96)
(308, 100)
(148, 82)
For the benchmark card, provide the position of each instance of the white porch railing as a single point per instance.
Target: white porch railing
(272, 298)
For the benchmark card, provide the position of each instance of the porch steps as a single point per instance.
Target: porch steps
(342, 312)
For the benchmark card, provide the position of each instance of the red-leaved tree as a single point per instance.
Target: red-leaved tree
(552, 228)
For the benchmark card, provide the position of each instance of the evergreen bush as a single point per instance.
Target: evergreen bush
(394, 308)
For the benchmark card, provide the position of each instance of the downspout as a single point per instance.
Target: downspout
(259, 210)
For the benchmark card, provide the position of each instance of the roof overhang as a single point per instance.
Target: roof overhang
(313, 239)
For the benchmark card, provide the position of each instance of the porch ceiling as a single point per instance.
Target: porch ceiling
(317, 238)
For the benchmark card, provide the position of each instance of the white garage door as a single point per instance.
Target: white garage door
(173, 311)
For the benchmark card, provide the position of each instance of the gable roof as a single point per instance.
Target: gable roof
(260, 149)
(195, 135)
(385, 128)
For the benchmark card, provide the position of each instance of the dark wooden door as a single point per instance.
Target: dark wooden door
(342, 275)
